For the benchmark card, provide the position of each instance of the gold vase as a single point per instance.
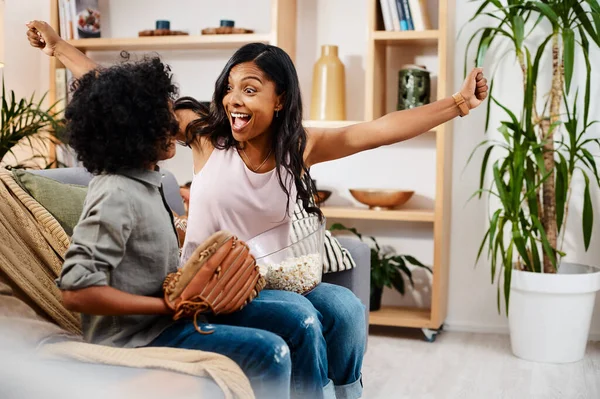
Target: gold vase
(328, 101)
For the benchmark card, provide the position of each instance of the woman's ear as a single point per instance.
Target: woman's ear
(280, 101)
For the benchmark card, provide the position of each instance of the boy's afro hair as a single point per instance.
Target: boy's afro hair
(121, 117)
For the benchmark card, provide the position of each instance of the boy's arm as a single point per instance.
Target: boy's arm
(42, 36)
(98, 246)
(109, 301)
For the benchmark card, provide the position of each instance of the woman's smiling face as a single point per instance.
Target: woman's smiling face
(250, 101)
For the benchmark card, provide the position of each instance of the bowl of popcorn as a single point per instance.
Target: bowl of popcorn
(290, 256)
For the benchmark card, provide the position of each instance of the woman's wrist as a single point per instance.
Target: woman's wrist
(462, 103)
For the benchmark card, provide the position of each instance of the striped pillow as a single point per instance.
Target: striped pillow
(336, 258)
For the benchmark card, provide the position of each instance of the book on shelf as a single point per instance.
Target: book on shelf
(60, 80)
(395, 14)
(403, 15)
(386, 13)
(65, 155)
(79, 19)
(419, 14)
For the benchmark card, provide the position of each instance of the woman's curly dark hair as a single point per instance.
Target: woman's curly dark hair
(290, 138)
(121, 117)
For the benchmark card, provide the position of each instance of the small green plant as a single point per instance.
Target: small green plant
(24, 120)
(387, 268)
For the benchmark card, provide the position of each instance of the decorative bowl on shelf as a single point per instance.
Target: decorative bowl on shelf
(290, 256)
(322, 196)
(378, 199)
(226, 27)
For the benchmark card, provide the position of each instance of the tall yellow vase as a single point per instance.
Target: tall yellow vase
(328, 101)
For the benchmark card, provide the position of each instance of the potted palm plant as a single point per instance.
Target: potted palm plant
(26, 122)
(542, 149)
(387, 269)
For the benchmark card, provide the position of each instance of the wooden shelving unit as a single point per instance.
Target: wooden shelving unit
(413, 36)
(380, 44)
(404, 215)
(159, 43)
(282, 33)
(406, 317)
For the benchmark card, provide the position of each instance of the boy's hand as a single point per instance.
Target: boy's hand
(42, 36)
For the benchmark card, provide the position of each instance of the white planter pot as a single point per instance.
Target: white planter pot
(550, 314)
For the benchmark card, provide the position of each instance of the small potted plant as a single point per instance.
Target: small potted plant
(387, 269)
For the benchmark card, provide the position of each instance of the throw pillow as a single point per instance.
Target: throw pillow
(63, 201)
(336, 258)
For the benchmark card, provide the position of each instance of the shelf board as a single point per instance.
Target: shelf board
(408, 215)
(404, 37)
(169, 42)
(328, 124)
(400, 317)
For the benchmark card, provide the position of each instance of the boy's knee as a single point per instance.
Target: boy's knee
(277, 353)
(306, 322)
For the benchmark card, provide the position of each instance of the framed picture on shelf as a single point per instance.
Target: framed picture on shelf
(87, 16)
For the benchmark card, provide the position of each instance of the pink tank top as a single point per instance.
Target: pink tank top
(226, 195)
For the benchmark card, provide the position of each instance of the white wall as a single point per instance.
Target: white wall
(472, 300)
(2, 30)
(26, 69)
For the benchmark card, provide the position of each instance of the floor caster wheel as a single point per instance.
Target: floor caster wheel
(430, 335)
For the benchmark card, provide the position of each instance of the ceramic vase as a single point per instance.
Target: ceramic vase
(414, 87)
(329, 86)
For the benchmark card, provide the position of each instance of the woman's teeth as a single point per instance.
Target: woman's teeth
(239, 120)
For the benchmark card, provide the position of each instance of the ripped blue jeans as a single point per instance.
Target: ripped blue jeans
(325, 332)
(320, 337)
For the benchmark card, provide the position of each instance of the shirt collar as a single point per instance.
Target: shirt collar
(151, 177)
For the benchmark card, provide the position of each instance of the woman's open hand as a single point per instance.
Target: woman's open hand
(475, 89)
(42, 36)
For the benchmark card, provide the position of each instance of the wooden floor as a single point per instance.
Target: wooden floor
(469, 366)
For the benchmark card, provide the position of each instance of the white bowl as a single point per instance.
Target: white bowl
(290, 256)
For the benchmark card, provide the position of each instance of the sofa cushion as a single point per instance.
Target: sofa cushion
(63, 201)
(335, 258)
(80, 176)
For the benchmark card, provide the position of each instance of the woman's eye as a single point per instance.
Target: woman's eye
(250, 90)
(229, 88)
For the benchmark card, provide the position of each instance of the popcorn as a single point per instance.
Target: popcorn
(300, 274)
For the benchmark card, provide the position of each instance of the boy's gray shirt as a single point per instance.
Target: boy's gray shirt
(125, 239)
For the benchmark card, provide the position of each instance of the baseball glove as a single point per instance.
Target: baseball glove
(220, 277)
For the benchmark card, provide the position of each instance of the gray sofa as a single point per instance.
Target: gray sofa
(357, 279)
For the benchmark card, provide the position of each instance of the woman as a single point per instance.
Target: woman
(251, 162)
